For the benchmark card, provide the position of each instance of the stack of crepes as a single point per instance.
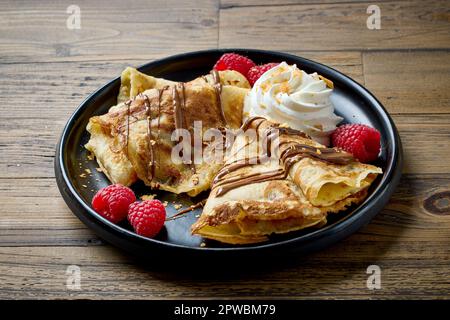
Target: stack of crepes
(254, 191)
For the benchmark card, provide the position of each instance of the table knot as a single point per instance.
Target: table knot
(438, 203)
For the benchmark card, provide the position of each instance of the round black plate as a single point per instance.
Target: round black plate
(77, 186)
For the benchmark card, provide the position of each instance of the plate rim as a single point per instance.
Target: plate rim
(337, 230)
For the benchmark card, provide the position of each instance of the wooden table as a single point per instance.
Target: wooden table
(46, 70)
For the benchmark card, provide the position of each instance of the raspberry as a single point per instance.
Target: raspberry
(234, 61)
(112, 202)
(360, 140)
(147, 217)
(257, 71)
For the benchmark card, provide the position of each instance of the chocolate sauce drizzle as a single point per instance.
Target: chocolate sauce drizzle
(128, 104)
(151, 163)
(150, 154)
(179, 105)
(160, 93)
(150, 142)
(218, 89)
(184, 211)
(288, 157)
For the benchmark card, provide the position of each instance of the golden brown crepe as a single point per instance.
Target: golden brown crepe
(133, 82)
(134, 139)
(259, 192)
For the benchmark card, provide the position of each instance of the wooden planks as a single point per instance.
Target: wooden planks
(426, 143)
(404, 25)
(33, 213)
(410, 82)
(247, 3)
(119, 29)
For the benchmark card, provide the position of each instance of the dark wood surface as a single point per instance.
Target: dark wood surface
(46, 70)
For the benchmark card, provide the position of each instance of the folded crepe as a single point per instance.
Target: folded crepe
(134, 139)
(133, 82)
(276, 181)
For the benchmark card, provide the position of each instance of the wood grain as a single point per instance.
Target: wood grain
(404, 25)
(224, 4)
(426, 141)
(120, 29)
(410, 82)
(34, 213)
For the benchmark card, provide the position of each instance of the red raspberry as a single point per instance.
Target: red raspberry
(234, 61)
(112, 202)
(257, 71)
(360, 140)
(147, 217)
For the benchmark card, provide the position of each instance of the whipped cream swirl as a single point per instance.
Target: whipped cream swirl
(288, 95)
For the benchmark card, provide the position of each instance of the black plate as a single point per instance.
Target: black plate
(353, 102)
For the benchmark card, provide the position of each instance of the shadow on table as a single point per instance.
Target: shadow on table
(369, 245)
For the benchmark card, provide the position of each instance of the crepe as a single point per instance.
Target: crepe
(134, 139)
(278, 181)
(133, 82)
